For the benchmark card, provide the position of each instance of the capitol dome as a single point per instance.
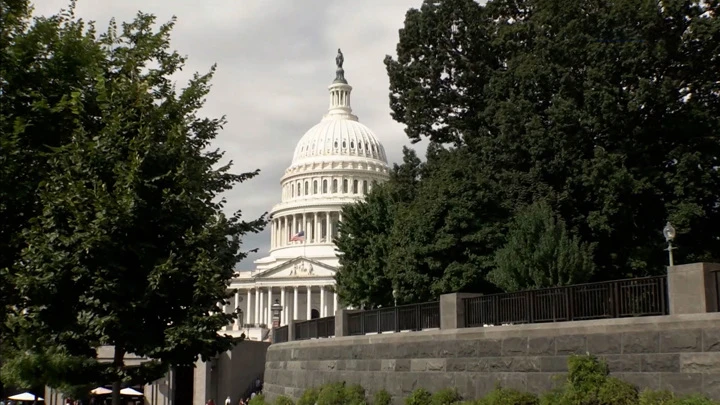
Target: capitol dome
(336, 162)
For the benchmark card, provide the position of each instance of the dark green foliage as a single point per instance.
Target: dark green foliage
(419, 396)
(605, 110)
(648, 397)
(539, 253)
(382, 397)
(447, 396)
(283, 400)
(121, 240)
(257, 400)
(341, 394)
(506, 396)
(617, 392)
(309, 397)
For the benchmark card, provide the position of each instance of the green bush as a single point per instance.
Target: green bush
(332, 394)
(507, 396)
(648, 397)
(309, 397)
(257, 400)
(420, 396)
(355, 395)
(447, 396)
(382, 397)
(617, 392)
(283, 400)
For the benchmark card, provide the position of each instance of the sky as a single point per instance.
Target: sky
(274, 60)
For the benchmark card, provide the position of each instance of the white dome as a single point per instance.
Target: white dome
(334, 137)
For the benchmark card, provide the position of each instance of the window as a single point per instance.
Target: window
(355, 187)
(335, 186)
(324, 186)
(293, 190)
(307, 187)
(315, 191)
(314, 314)
(344, 145)
(345, 186)
(352, 145)
(335, 144)
(365, 186)
(299, 189)
(360, 145)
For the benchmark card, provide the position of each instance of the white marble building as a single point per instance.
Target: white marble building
(336, 162)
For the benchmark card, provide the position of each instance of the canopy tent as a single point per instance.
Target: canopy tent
(101, 391)
(25, 396)
(130, 392)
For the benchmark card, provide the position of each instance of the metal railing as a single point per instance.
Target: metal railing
(717, 289)
(315, 328)
(645, 296)
(280, 335)
(412, 317)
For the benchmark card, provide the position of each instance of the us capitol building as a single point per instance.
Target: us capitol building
(336, 162)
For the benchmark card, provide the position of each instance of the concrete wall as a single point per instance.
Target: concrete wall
(230, 374)
(677, 352)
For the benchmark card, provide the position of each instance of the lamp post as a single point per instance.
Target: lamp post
(395, 295)
(669, 233)
(276, 309)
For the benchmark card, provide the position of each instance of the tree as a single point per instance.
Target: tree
(129, 247)
(364, 279)
(606, 110)
(540, 253)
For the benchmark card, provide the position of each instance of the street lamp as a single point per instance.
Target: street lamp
(276, 308)
(669, 233)
(395, 295)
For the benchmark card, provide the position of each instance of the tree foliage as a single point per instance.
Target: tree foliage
(540, 253)
(124, 242)
(608, 111)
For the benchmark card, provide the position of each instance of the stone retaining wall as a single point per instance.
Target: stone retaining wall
(678, 352)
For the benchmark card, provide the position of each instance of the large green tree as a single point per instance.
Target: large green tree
(607, 110)
(128, 246)
(540, 253)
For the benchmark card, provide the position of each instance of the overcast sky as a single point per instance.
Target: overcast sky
(275, 60)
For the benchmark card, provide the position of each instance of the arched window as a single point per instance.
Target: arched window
(360, 145)
(335, 144)
(315, 187)
(307, 187)
(324, 186)
(365, 185)
(355, 187)
(352, 145)
(314, 314)
(292, 187)
(299, 189)
(335, 186)
(345, 186)
(344, 145)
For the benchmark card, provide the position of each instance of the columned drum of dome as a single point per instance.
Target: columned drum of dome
(336, 162)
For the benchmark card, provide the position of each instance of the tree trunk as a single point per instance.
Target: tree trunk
(118, 364)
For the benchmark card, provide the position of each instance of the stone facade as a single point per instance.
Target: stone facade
(677, 352)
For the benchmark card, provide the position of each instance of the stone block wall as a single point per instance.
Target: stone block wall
(677, 352)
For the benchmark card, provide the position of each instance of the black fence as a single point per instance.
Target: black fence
(412, 317)
(315, 328)
(717, 289)
(612, 299)
(280, 335)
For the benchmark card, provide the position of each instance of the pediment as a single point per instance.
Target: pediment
(298, 268)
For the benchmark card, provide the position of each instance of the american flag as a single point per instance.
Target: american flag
(298, 236)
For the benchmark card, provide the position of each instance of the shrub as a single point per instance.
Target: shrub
(507, 396)
(617, 392)
(332, 394)
(309, 397)
(283, 400)
(355, 395)
(382, 397)
(445, 396)
(257, 400)
(420, 396)
(648, 397)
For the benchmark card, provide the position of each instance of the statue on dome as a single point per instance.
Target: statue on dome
(339, 59)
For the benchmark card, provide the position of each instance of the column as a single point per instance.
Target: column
(304, 224)
(328, 238)
(237, 325)
(295, 302)
(261, 315)
(330, 227)
(335, 307)
(315, 228)
(268, 311)
(323, 311)
(309, 302)
(283, 314)
(256, 316)
(248, 313)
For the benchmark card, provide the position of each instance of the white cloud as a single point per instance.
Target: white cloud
(275, 60)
